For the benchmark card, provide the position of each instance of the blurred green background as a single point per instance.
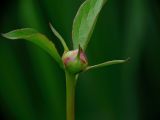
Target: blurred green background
(32, 86)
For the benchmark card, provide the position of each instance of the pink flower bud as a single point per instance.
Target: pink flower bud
(75, 61)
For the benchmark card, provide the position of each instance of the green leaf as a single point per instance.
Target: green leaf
(85, 21)
(59, 37)
(36, 38)
(108, 63)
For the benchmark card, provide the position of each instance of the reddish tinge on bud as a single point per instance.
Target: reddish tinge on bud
(75, 61)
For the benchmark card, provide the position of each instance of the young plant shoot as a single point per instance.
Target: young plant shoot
(73, 61)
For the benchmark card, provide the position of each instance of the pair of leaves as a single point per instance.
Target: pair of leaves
(83, 26)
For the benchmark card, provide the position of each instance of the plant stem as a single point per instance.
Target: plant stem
(70, 95)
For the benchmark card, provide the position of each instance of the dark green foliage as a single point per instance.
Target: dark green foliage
(32, 86)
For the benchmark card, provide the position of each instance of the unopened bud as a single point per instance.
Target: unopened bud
(75, 61)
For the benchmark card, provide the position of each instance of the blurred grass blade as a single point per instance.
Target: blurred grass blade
(108, 63)
(36, 38)
(85, 21)
(59, 37)
(14, 88)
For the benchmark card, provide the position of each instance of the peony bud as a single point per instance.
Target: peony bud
(75, 61)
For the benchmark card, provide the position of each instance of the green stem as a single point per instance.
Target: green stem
(70, 95)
